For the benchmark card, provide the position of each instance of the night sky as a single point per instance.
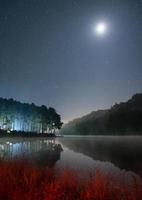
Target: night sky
(50, 53)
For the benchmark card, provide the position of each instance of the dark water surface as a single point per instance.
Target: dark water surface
(107, 153)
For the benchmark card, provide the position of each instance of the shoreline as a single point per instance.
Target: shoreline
(23, 134)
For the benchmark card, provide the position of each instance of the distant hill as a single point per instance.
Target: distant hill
(123, 118)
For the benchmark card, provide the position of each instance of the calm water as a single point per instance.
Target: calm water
(106, 153)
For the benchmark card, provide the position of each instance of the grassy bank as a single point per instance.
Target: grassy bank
(19, 180)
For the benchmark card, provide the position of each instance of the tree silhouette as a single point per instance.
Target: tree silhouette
(28, 117)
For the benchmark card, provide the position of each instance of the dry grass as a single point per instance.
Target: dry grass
(21, 181)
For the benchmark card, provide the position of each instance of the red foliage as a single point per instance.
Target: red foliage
(21, 181)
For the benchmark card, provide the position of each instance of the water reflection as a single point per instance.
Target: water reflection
(41, 152)
(124, 152)
(87, 153)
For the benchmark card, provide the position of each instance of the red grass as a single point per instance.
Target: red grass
(21, 181)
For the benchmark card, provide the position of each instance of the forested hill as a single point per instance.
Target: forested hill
(26, 117)
(122, 118)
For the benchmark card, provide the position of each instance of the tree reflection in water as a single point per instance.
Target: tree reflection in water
(42, 152)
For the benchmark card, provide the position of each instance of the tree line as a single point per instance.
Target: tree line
(123, 118)
(26, 117)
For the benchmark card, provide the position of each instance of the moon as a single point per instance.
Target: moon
(100, 28)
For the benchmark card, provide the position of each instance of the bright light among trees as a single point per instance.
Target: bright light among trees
(16, 116)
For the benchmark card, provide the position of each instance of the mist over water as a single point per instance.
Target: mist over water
(106, 153)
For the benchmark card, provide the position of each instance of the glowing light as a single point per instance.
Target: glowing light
(17, 125)
(101, 28)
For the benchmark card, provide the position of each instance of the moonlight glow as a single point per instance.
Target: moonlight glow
(101, 28)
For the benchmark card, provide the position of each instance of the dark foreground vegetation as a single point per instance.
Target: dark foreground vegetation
(24, 117)
(5, 133)
(120, 119)
(19, 180)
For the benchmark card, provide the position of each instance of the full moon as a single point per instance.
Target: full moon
(100, 28)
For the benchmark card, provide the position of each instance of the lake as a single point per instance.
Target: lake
(84, 153)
